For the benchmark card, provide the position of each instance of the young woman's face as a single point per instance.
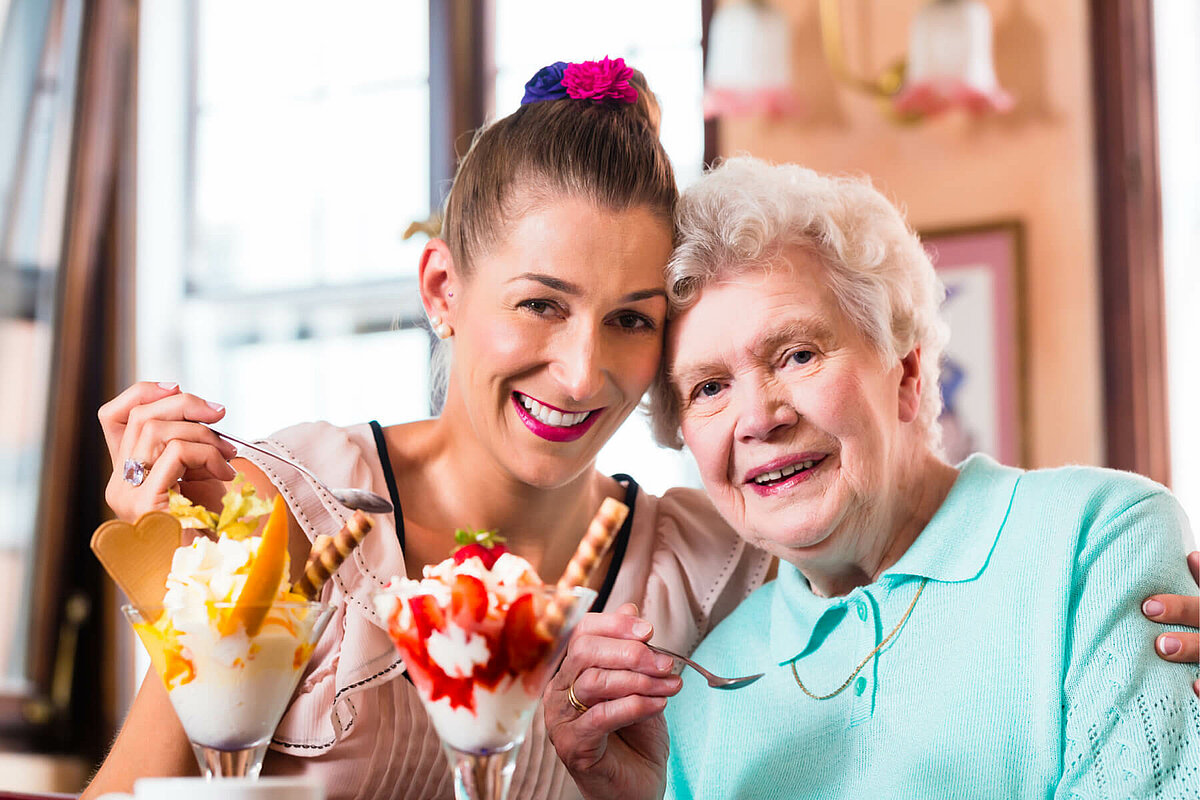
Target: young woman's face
(558, 334)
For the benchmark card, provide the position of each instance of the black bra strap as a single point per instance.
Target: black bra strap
(620, 543)
(390, 477)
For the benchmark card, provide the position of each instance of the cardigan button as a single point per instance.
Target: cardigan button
(860, 686)
(861, 608)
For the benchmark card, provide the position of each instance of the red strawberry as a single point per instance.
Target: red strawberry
(427, 615)
(523, 646)
(485, 545)
(468, 601)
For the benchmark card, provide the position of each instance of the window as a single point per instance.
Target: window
(1176, 31)
(283, 149)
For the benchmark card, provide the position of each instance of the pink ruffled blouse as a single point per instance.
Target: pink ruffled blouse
(357, 724)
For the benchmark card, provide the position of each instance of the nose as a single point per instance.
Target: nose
(762, 412)
(576, 363)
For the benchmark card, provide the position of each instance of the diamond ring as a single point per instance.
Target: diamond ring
(135, 471)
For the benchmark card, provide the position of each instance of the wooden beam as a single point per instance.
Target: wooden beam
(1131, 261)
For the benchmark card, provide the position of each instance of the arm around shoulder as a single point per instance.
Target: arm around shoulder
(1131, 724)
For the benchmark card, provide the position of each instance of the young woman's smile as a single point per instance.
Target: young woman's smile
(554, 424)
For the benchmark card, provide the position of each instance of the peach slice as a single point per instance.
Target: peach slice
(262, 582)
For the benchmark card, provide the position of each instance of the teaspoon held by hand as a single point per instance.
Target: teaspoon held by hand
(356, 499)
(715, 681)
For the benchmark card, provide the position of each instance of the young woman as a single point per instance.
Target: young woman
(548, 284)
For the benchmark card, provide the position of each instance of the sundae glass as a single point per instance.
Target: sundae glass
(481, 635)
(227, 633)
(229, 689)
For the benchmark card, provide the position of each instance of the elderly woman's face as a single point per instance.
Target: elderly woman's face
(791, 414)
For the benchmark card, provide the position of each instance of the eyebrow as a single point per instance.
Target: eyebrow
(814, 330)
(566, 287)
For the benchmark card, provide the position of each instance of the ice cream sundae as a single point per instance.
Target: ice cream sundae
(480, 633)
(230, 636)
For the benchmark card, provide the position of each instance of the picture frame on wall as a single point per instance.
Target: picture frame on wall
(982, 376)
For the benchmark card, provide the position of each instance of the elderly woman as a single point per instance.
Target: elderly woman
(935, 630)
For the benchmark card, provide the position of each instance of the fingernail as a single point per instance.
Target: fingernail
(1169, 645)
(642, 628)
(664, 662)
(215, 406)
(168, 385)
(1152, 608)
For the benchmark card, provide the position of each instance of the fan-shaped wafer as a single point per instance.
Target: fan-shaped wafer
(592, 548)
(326, 556)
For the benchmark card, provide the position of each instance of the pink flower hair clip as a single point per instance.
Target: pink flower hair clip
(598, 81)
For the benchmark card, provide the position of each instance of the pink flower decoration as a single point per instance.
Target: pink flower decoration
(607, 79)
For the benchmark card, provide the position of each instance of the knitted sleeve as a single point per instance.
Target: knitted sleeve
(1131, 722)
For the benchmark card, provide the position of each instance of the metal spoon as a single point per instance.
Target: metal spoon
(357, 499)
(715, 681)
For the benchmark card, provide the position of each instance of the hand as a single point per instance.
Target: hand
(1174, 609)
(160, 426)
(618, 747)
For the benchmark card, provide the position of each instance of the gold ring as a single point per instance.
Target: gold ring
(574, 701)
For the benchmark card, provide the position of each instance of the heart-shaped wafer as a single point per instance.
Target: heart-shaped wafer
(138, 557)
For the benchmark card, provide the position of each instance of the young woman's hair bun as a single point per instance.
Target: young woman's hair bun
(586, 130)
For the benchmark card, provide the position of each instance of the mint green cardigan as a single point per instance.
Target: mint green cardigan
(1025, 669)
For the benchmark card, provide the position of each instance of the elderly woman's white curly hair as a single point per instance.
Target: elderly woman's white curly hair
(739, 217)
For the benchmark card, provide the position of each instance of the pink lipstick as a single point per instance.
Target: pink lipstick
(554, 433)
(789, 471)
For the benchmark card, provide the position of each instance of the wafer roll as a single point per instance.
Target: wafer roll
(326, 556)
(587, 556)
(318, 546)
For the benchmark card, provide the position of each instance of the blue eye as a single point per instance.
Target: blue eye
(802, 357)
(710, 389)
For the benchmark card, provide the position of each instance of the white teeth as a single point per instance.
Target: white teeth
(558, 419)
(791, 469)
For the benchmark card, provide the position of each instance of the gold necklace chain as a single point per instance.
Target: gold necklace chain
(862, 663)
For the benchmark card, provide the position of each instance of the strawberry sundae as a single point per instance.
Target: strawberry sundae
(472, 641)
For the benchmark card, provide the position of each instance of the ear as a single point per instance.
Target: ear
(910, 386)
(438, 281)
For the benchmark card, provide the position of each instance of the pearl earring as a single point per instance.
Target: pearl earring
(440, 329)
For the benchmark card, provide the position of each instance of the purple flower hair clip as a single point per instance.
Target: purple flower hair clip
(546, 84)
(607, 79)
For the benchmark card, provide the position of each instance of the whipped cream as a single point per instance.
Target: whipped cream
(457, 651)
